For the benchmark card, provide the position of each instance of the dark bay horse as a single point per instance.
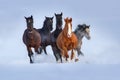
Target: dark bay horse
(81, 31)
(67, 40)
(54, 36)
(45, 32)
(31, 38)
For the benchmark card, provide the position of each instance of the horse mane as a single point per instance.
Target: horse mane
(79, 27)
(44, 25)
(76, 30)
(65, 30)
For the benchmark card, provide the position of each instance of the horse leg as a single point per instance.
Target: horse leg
(40, 49)
(30, 54)
(65, 53)
(72, 54)
(57, 54)
(37, 49)
(45, 50)
(79, 52)
(75, 55)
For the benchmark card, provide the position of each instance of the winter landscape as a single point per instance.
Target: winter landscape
(101, 60)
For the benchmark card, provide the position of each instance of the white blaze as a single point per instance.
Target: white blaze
(69, 30)
(29, 21)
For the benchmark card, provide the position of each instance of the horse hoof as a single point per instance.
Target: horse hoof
(76, 60)
(31, 62)
(82, 54)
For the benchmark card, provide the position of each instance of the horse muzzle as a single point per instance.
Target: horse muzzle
(69, 35)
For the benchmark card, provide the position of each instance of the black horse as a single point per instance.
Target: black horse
(54, 36)
(45, 32)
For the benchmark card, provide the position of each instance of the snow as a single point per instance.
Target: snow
(65, 71)
(46, 68)
(101, 60)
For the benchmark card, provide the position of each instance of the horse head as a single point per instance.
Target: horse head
(48, 23)
(84, 30)
(68, 27)
(59, 20)
(29, 21)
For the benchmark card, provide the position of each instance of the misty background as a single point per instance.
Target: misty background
(103, 16)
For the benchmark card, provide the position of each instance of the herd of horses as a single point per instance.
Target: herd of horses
(61, 39)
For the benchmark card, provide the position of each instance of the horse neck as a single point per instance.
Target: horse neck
(65, 31)
(58, 23)
(58, 27)
(44, 28)
(30, 28)
(57, 32)
(79, 35)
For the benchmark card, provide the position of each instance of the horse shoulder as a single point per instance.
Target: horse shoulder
(25, 36)
(60, 40)
(74, 37)
(75, 40)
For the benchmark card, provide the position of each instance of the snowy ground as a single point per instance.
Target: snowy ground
(102, 52)
(53, 71)
(45, 68)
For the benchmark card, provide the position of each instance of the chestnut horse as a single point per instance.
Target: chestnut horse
(67, 40)
(31, 38)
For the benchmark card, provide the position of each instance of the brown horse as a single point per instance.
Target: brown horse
(31, 38)
(67, 40)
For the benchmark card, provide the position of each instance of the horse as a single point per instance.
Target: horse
(45, 32)
(67, 40)
(31, 38)
(80, 32)
(54, 36)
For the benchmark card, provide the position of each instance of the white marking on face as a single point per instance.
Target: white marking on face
(30, 32)
(29, 21)
(87, 30)
(88, 33)
(69, 30)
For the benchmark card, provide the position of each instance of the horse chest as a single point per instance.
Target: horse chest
(45, 39)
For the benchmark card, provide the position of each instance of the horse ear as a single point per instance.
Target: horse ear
(52, 17)
(89, 26)
(61, 14)
(55, 14)
(45, 17)
(31, 16)
(65, 19)
(25, 17)
(70, 19)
